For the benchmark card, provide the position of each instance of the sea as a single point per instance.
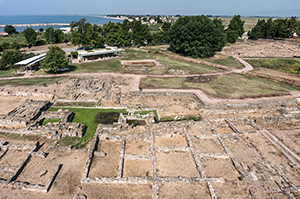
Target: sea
(48, 19)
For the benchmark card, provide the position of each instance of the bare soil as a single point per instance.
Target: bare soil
(137, 168)
(210, 145)
(134, 147)
(170, 142)
(106, 166)
(176, 164)
(178, 191)
(220, 168)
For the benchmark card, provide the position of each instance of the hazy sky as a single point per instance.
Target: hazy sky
(163, 7)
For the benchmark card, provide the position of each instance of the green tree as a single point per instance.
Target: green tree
(5, 45)
(30, 35)
(53, 36)
(10, 57)
(235, 29)
(159, 36)
(236, 24)
(55, 59)
(85, 33)
(258, 30)
(10, 29)
(231, 36)
(166, 26)
(197, 36)
(15, 45)
(41, 30)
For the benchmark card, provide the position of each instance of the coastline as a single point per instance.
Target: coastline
(37, 24)
(103, 16)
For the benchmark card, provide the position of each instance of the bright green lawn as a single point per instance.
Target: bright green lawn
(87, 117)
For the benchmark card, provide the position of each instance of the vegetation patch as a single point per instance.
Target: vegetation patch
(280, 64)
(229, 61)
(227, 86)
(50, 120)
(30, 81)
(107, 118)
(85, 116)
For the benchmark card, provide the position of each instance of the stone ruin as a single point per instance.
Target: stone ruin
(24, 114)
(11, 181)
(28, 118)
(140, 64)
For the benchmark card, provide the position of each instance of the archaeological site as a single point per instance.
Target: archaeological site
(154, 129)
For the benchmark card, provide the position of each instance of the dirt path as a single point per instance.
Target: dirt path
(136, 82)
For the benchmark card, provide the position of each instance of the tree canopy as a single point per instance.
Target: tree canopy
(197, 36)
(83, 33)
(53, 36)
(10, 29)
(283, 28)
(55, 59)
(10, 57)
(30, 35)
(235, 29)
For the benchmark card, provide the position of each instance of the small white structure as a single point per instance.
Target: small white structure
(95, 54)
(3, 33)
(31, 61)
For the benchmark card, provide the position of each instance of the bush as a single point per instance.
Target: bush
(74, 54)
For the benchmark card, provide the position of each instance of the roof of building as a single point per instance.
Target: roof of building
(32, 60)
(104, 52)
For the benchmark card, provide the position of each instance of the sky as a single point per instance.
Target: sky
(282, 8)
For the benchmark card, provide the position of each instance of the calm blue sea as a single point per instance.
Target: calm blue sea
(37, 19)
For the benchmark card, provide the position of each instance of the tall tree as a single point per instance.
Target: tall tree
(53, 36)
(166, 26)
(55, 59)
(30, 35)
(197, 36)
(10, 29)
(235, 29)
(85, 33)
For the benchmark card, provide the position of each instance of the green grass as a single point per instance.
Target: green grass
(9, 73)
(229, 61)
(19, 38)
(227, 86)
(87, 117)
(30, 81)
(50, 120)
(280, 64)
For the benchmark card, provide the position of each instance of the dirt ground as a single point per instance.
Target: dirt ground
(7, 104)
(176, 164)
(263, 48)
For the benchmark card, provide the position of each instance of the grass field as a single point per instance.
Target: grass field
(87, 117)
(9, 73)
(19, 38)
(31, 81)
(280, 64)
(114, 65)
(229, 61)
(229, 86)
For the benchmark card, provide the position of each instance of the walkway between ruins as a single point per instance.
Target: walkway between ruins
(136, 82)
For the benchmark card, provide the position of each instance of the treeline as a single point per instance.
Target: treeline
(278, 28)
(116, 34)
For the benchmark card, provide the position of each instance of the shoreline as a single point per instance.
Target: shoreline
(37, 24)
